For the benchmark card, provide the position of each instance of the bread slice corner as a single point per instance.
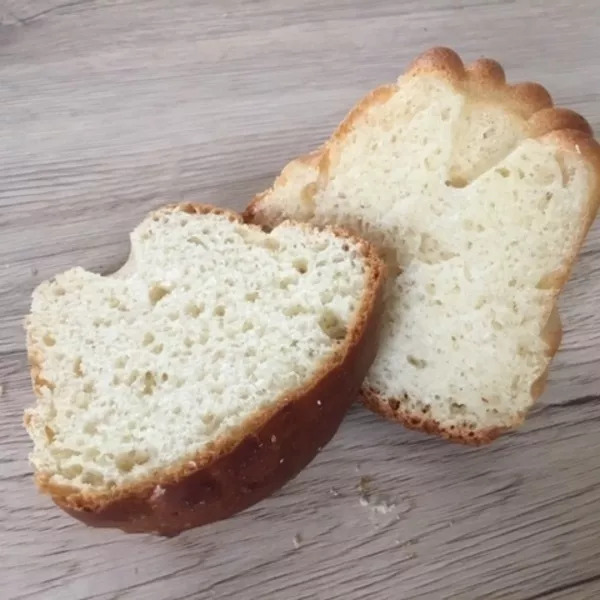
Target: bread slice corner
(203, 375)
(478, 194)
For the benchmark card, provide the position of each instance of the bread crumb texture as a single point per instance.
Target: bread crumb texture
(210, 322)
(479, 204)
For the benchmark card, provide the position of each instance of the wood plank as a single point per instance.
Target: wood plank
(109, 108)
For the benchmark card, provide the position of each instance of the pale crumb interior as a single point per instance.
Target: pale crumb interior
(474, 218)
(210, 322)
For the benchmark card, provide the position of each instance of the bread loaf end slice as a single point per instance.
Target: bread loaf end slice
(202, 376)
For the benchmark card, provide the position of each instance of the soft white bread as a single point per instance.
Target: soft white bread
(479, 195)
(203, 375)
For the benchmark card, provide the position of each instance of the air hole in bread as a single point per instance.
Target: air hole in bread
(219, 311)
(270, 243)
(50, 434)
(456, 181)
(149, 383)
(90, 428)
(196, 240)
(301, 265)
(121, 362)
(73, 471)
(92, 478)
(285, 283)
(503, 172)
(545, 200)
(157, 292)
(148, 339)
(456, 408)
(49, 340)
(77, 367)
(126, 461)
(430, 251)
(294, 310)
(332, 325)
(418, 363)
(194, 309)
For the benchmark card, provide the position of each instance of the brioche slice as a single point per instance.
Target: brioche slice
(203, 375)
(479, 195)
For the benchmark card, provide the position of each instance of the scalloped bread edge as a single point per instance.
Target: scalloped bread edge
(485, 80)
(255, 459)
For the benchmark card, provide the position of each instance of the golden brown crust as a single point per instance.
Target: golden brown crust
(379, 95)
(482, 81)
(256, 459)
(392, 410)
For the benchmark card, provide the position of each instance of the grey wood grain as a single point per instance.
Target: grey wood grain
(109, 108)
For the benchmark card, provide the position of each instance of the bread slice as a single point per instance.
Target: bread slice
(479, 195)
(204, 375)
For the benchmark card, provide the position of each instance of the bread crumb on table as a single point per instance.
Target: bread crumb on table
(364, 484)
(383, 507)
(297, 541)
(377, 504)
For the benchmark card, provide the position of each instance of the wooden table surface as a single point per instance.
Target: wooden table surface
(110, 108)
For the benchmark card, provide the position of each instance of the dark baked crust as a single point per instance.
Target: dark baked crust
(482, 81)
(251, 462)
